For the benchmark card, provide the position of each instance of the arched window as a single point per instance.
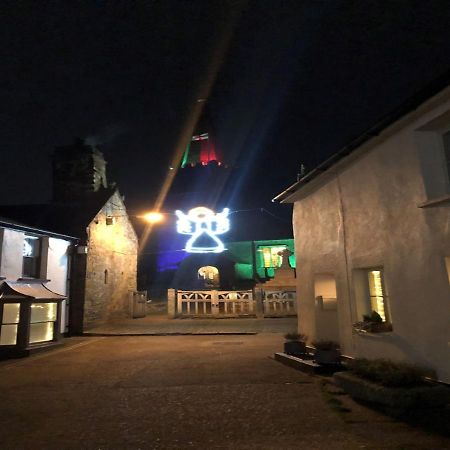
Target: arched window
(210, 275)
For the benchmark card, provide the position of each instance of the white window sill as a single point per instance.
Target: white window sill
(440, 201)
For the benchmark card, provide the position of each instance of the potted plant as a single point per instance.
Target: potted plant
(327, 352)
(295, 344)
(372, 323)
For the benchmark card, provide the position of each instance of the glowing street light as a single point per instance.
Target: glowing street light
(153, 217)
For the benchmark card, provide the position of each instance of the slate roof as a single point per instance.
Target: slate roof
(62, 218)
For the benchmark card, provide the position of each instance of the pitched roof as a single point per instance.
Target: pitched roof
(62, 218)
(432, 89)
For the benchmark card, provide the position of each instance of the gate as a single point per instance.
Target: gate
(215, 303)
(138, 304)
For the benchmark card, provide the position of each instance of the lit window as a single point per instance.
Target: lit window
(31, 257)
(42, 322)
(271, 256)
(210, 275)
(370, 294)
(376, 293)
(10, 321)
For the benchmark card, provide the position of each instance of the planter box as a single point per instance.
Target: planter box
(295, 348)
(327, 356)
(396, 400)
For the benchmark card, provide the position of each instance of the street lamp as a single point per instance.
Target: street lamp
(153, 217)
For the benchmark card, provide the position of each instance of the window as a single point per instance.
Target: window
(271, 256)
(376, 293)
(42, 322)
(210, 275)
(325, 291)
(31, 257)
(432, 141)
(370, 293)
(10, 321)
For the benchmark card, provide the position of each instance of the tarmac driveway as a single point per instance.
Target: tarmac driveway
(182, 392)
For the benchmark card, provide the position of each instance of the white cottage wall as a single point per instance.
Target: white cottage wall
(12, 254)
(366, 213)
(57, 273)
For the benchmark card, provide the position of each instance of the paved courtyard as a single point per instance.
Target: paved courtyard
(159, 324)
(183, 392)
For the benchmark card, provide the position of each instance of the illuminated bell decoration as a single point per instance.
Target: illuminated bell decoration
(203, 225)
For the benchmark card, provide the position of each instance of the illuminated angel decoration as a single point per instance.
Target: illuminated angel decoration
(203, 226)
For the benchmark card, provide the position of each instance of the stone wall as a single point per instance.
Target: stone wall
(111, 263)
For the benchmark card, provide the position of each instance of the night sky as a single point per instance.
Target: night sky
(291, 82)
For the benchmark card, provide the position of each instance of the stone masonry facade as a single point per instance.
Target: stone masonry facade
(111, 263)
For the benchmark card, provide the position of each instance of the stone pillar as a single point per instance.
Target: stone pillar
(214, 303)
(171, 303)
(259, 302)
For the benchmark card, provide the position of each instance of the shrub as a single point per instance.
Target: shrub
(389, 373)
(294, 336)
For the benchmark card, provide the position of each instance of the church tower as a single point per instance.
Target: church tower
(78, 171)
(202, 177)
(202, 149)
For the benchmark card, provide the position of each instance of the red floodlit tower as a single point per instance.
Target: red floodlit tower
(202, 148)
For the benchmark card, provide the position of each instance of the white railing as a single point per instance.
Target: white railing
(215, 303)
(236, 303)
(280, 303)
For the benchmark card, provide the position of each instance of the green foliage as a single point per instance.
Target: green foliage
(294, 336)
(373, 317)
(389, 373)
(326, 345)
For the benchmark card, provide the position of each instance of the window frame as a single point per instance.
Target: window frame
(261, 250)
(37, 260)
(363, 297)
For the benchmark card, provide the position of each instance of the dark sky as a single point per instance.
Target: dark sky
(294, 82)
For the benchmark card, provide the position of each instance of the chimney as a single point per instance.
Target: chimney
(78, 171)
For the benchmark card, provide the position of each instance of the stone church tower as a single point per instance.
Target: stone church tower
(78, 171)
(105, 264)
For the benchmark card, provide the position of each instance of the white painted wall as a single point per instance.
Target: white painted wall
(57, 273)
(364, 212)
(55, 263)
(11, 255)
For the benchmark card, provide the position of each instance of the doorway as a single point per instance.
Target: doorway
(210, 276)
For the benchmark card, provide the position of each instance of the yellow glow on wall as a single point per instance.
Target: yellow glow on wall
(376, 293)
(111, 237)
